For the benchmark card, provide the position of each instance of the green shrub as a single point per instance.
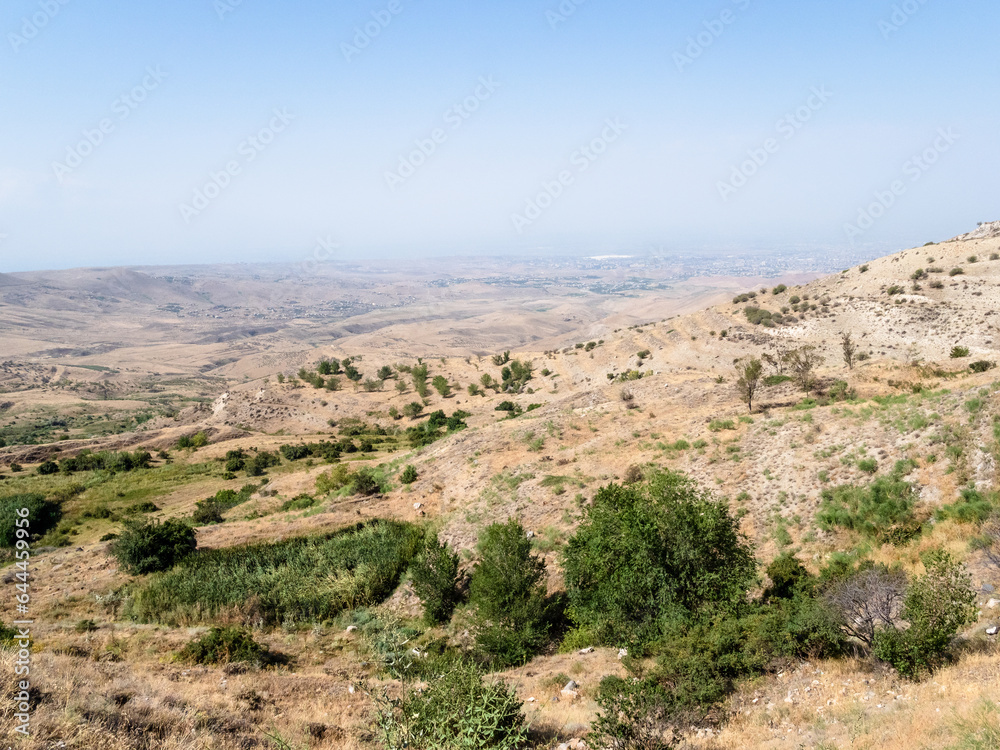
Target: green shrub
(758, 316)
(210, 510)
(409, 475)
(779, 289)
(299, 502)
(42, 516)
(957, 352)
(48, 467)
(258, 465)
(458, 709)
(982, 365)
(303, 579)
(435, 578)
(937, 605)
(956, 272)
(717, 425)
(223, 646)
(971, 508)
(151, 547)
(508, 596)
(635, 715)
(868, 465)
(645, 554)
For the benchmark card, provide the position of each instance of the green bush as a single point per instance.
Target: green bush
(635, 715)
(652, 552)
(299, 502)
(304, 579)
(957, 352)
(42, 516)
(937, 605)
(717, 425)
(222, 646)
(458, 710)
(956, 272)
(971, 508)
(409, 475)
(508, 596)
(258, 465)
(152, 547)
(982, 365)
(868, 465)
(210, 510)
(435, 580)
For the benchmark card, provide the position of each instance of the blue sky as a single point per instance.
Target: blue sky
(245, 131)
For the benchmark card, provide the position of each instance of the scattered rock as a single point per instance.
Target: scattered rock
(622, 653)
(571, 685)
(992, 603)
(992, 630)
(351, 628)
(588, 650)
(418, 506)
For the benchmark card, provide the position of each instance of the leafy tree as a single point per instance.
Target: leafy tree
(803, 362)
(748, 381)
(325, 367)
(352, 372)
(440, 383)
(419, 375)
(413, 409)
(868, 600)
(849, 348)
(151, 547)
(508, 596)
(332, 383)
(436, 579)
(646, 554)
(385, 372)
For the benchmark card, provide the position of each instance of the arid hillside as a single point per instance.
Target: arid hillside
(552, 395)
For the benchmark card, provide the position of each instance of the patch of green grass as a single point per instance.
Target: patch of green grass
(307, 579)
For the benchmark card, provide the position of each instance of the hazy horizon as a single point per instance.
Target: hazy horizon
(222, 131)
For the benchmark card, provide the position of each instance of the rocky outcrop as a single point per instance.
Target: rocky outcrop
(986, 230)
